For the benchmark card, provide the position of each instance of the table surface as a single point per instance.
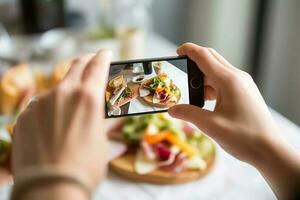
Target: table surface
(229, 179)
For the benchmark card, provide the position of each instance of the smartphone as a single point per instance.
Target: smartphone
(152, 85)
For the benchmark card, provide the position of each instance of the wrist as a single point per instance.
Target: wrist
(55, 191)
(273, 148)
(265, 147)
(279, 164)
(265, 144)
(51, 182)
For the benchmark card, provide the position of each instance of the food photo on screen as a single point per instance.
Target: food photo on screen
(146, 87)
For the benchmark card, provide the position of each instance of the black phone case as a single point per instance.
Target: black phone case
(196, 95)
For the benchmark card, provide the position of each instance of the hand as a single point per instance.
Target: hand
(65, 128)
(241, 122)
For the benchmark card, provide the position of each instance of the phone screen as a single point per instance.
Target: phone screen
(146, 86)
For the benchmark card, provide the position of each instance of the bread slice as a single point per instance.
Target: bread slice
(135, 91)
(13, 84)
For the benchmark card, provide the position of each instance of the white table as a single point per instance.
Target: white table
(230, 178)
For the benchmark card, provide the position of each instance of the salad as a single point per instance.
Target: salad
(160, 89)
(161, 142)
(5, 150)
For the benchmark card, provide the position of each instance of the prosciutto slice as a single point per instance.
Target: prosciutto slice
(178, 165)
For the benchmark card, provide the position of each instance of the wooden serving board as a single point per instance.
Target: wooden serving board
(124, 166)
(149, 99)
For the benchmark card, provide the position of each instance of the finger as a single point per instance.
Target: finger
(209, 93)
(203, 58)
(32, 102)
(28, 94)
(77, 67)
(96, 72)
(220, 58)
(207, 81)
(201, 118)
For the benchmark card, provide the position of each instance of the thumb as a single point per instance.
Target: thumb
(201, 118)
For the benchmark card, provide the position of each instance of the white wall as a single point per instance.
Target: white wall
(225, 25)
(169, 19)
(280, 80)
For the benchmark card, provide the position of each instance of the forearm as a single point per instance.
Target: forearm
(280, 166)
(55, 191)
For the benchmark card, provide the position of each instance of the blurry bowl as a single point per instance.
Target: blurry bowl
(138, 79)
(55, 43)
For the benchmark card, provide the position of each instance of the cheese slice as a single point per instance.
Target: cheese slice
(144, 92)
(196, 162)
(142, 164)
(155, 99)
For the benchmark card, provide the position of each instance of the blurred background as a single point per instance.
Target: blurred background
(258, 36)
